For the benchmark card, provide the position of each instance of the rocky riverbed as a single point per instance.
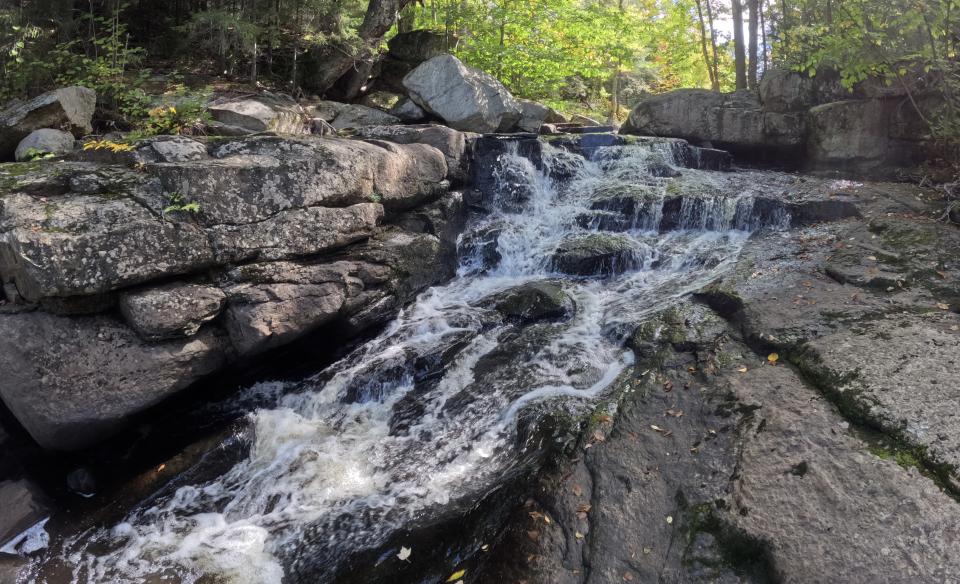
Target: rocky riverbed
(793, 421)
(645, 368)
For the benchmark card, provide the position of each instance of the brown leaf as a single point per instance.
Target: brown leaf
(942, 274)
(579, 535)
(604, 418)
(668, 385)
(675, 413)
(627, 577)
(943, 306)
(534, 536)
(577, 490)
(598, 436)
(583, 508)
(742, 369)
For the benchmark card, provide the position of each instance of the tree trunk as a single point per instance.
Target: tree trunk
(763, 38)
(739, 55)
(713, 43)
(752, 15)
(335, 60)
(714, 82)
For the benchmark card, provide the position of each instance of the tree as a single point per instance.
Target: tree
(752, 17)
(336, 59)
(711, 63)
(738, 49)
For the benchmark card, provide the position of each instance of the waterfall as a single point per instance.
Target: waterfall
(423, 418)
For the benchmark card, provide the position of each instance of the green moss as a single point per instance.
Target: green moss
(723, 300)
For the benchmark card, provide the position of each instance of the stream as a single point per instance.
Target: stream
(430, 418)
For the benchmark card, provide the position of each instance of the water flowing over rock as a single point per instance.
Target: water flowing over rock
(69, 108)
(696, 399)
(465, 98)
(447, 404)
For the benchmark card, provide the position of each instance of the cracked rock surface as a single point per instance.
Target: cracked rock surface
(782, 425)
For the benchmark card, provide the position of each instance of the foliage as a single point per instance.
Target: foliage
(108, 145)
(570, 50)
(177, 204)
(180, 112)
(37, 154)
(912, 44)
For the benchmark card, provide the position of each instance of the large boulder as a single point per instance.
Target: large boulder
(851, 134)
(262, 113)
(45, 141)
(406, 51)
(253, 179)
(534, 114)
(533, 302)
(450, 142)
(597, 254)
(295, 233)
(734, 121)
(69, 108)
(785, 91)
(90, 244)
(73, 381)
(171, 311)
(275, 303)
(408, 111)
(418, 46)
(360, 116)
(465, 98)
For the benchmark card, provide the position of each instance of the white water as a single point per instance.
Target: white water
(325, 474)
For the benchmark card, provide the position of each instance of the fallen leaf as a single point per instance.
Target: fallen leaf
(647, 550)
(692, 369)
(872, 258)
(457, 575)
(578, 535)
(485, 547)
(161, 467)
(577, 490)
(627, 577)
(675, 413)
(404, 553)
(656, 428)
(669, 519)
(773, 357)
(943, 306)
(942, 274)
(742, 369)
(534, 535)
(667, 385)
(598, 436)
(583, 508)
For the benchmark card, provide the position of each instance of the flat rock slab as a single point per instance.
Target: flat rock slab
(71, 403)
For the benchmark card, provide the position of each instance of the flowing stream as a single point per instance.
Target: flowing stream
(422, 421)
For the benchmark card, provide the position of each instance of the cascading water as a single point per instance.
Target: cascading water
(422, 421)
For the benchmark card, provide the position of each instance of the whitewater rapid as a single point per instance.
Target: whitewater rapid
(329, 470)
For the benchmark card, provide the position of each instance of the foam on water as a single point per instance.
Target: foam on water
(327, 473)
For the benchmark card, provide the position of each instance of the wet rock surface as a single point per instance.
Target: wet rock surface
(793, 422)
(597, 255)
